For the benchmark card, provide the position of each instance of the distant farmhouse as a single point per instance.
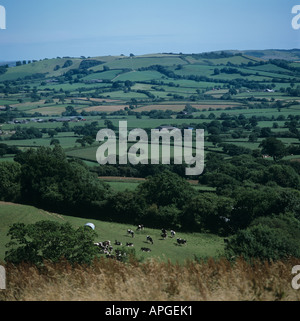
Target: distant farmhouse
(165, 127)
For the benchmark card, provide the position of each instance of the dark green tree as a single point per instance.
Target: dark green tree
(49, 180)
(268, 238)
(273, 147)
(10, 173)
(50, 241)
(208, 212)
(165, 189)
(54, 141)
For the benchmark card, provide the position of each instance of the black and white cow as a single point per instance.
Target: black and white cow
(181, 241)
(145, 249)
(131, 232)
(164, 235)
(140, 227)
(149, 239)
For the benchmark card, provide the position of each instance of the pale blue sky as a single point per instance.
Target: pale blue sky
(45, 29)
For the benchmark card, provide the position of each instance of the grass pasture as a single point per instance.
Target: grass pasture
(120, 186)
(138, 76)
(111, 74)
(45, 66)
(104, 108)
(135, 63)
(65, 141)
(201, 245)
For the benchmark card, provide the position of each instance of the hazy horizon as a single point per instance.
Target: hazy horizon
(38, 30)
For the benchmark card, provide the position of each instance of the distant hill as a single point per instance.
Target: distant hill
(290, 55)
(51, 68)
(9, 63)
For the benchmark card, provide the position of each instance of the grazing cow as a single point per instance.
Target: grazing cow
(149, 239)
(140, 227)
(100, 246)
(118, 243)
(129, 231)
(181, 241)
(145, 249)
(163, 231)
(104, 247)
(129, 244)
(173, 233)
(226, 241)
(164, 235)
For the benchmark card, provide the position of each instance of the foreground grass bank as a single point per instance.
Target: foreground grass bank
(106, 280)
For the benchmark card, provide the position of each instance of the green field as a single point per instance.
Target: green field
(45, 66)
(176, 79)
(139, 76)
(111, 74)
(154, 82)
(201, 245)
(123, 186)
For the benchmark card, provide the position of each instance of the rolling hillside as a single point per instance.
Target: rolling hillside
(201, 245)
(56, 67)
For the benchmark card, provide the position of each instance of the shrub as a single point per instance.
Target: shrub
(50, 241)
(268, 238)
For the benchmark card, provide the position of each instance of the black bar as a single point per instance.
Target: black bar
(153, 310)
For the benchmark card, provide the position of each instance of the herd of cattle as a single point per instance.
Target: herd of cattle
(107, 248)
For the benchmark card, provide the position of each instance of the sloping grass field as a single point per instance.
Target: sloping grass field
(200, 245)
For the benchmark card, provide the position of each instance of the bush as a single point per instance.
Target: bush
(208, 213)
(268, 238)
(10, 181)
(50, 241)
(166, 189)
(50, 181)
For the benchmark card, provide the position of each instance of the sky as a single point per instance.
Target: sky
(37, 29)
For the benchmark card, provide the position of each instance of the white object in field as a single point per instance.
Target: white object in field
(91, 225)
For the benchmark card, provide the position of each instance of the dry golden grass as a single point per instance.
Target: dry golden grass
(110, 280)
